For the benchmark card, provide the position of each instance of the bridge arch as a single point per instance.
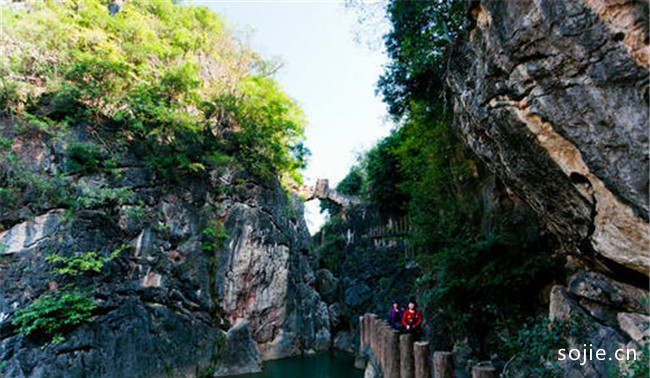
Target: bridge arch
(323, 191)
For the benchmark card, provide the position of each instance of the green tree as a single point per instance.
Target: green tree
(416, 45)
(170, 82)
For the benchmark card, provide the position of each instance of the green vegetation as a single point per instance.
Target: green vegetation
(169, 82)
(421, 33)
(84, 158)
(639, 368)
(220, 347)
(54, 313)
(84, 263)
(214, 236)
(533, 348)
(477, 274)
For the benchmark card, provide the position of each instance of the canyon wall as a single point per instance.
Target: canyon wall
(165, 302)
(553, 97)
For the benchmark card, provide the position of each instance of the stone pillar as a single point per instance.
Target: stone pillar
(484, 372)
(443, 365)
(421, 358)
(407, 367)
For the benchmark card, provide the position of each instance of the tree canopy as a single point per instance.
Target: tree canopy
(169, 80)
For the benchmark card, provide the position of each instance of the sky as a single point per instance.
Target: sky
(331, 76)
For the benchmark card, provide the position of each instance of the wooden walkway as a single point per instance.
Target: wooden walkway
(395, 355)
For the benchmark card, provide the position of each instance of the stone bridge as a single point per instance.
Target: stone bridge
(323, 191)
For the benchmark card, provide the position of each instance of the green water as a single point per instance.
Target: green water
(326, 365)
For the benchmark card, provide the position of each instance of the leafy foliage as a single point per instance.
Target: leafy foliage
(384, 176)
(84, 157)
(54, 313)
(220, 347)
(91, 196)
(416, 45)
(168, 81)
(214, 236)
(534, 347)
(479, 281)
(82, 263)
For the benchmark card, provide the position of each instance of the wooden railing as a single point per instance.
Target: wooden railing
(395, 355)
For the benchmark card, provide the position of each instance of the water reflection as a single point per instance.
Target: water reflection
(326, 365)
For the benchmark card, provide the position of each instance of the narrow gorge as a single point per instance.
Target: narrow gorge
(152, 220)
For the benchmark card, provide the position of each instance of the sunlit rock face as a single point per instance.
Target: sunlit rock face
(553, 96)
(166, 299)
(265, 278)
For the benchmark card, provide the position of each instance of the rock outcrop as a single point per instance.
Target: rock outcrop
(364, 266)
(615, 306)
(553, 96)
(218, 250)
(241, 354)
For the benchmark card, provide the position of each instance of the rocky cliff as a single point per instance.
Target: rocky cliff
(365, 264)
(553, 96)
(219, 249)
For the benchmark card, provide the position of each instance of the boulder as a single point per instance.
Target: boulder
(357, 294)
(327, 285)
(564, 307)
(241, 356)
(636, 326)
(343, 341)
(336, 315)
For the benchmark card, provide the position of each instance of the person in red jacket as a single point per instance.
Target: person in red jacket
(412, 319)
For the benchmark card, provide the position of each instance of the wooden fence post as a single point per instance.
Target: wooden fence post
(361, 334)
(374, 333)
(392, 354)
(421, 358)
(484, 372)
(406, 356)
(443, 365)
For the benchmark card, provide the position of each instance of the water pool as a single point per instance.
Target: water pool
(325, 365)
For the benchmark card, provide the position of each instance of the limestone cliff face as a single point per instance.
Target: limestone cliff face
(165, 300)
(553, 96)
(265, 275)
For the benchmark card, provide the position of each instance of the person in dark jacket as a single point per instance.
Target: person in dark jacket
(395, 317)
